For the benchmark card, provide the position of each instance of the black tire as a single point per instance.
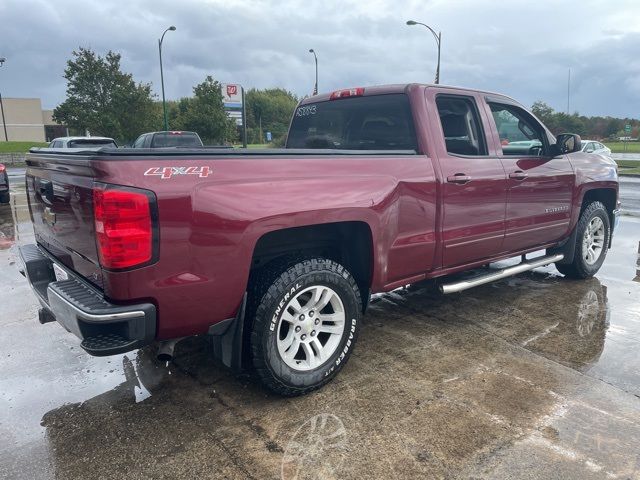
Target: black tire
(4, 197)
(579, 268)
(270, 367)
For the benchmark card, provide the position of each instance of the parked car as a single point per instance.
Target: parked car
(175, 138)
(4, 185)
(593, 146)
(84, 143)
(274, 253)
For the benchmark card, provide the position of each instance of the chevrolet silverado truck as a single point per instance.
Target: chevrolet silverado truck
(275, 253)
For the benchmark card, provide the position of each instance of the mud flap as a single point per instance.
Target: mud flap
(227, 339)
(567, 248)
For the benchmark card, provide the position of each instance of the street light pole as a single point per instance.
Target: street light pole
(315, 88)
(164, 103)
(4, 123)
(438, 37)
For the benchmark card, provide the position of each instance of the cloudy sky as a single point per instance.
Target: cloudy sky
(521, 48)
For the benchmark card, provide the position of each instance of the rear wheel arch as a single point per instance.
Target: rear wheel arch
(349, 243)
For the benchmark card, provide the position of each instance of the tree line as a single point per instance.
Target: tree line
(106, 101)
(598, 128)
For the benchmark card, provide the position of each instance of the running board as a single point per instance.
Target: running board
(500, 274)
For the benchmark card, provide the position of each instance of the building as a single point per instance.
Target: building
(26, 121)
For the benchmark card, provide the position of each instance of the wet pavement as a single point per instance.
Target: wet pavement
(531, 377)
(630, 194)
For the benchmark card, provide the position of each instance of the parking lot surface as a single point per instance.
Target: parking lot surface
(531, 377)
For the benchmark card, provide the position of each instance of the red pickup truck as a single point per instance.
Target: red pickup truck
(274, 253)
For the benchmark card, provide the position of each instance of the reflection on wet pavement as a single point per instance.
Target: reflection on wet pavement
(532, 377)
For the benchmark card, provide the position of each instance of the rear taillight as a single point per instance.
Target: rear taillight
(349, 92)
(123, 226)
(1, 168)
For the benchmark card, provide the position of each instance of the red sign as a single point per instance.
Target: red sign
(232, 90)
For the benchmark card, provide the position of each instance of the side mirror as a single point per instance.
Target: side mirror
(567, 143)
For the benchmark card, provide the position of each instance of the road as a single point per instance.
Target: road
(630, 195)
(626, 156)
(532, 377)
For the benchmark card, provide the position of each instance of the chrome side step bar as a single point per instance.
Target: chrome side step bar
(500, 274)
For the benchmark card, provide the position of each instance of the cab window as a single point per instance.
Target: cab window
(519, 132)
(463, 134)
(375, 122)
(138, 143)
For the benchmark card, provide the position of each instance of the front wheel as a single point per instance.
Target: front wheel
(592, 243)
(305, 327)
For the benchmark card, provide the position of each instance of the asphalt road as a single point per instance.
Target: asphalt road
(532, 377)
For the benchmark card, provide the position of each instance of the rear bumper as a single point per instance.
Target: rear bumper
(103, 327)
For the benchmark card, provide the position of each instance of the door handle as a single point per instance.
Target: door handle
(518, 175)
(459, 178)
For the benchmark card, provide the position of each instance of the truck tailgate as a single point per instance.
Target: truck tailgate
(60, 195)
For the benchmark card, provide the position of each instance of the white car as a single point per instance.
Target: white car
(593, 146)
(84, 143)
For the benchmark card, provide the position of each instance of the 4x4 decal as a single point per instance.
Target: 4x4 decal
(168, 172)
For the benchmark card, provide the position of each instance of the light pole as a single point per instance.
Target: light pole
(315, 88)
(4, 123)
(438, 37)
(164, 103)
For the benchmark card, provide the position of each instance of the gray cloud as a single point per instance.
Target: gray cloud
(520, 48)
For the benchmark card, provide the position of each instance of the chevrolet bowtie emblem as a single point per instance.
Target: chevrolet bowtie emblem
(48, 216)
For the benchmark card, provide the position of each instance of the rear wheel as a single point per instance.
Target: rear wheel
(592, 243)
(4, 197)
(305, 327)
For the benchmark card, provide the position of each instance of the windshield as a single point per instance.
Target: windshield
(175, 139)
(381, 122)
(91, 143)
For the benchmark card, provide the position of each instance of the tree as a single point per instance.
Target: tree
(270, 109)
(103, 99)
(205, 114)
(543, 111)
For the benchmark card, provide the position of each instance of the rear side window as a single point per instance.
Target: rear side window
(175, 139)
(463, 134)
(381, 122)
(140, 140)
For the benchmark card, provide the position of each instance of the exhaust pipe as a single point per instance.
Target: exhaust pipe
(165, 349)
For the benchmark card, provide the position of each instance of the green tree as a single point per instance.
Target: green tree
(103, 99)
(543, 111)
(269, 110)
(205, 114)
